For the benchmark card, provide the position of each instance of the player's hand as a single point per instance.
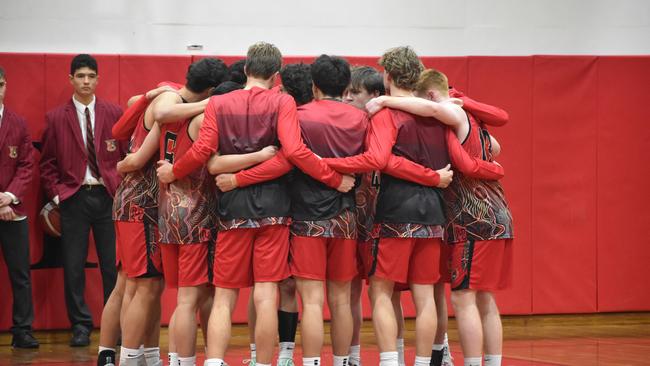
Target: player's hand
(5, 200)
(268, 152)
(346, 184)
(457, 101)
(6, 213)
(446, 175)
(374, 105)
(165, 172)
(226, 182)
(151, 94)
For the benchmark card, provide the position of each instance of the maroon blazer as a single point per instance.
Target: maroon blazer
(64, 158)
(16, 158)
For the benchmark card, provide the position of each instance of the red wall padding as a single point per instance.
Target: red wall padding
(564, 164)
(623, 174)
(573, 152)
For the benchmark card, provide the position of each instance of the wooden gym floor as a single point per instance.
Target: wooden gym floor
(599, 339)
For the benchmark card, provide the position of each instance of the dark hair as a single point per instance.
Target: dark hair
(2, 72)
(226, 87)
(237, 73)
(83, 60)
(368, 78)
(263, 60)
(331, 74)
(296, 81)
(205, 73)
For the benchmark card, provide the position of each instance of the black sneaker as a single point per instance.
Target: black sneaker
(80, 338)
(106, 358)
(24, 340)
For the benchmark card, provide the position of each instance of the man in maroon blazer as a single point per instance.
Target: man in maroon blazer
(16, 163)
(78, 172)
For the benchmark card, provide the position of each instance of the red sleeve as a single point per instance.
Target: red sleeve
(201, 150)
(379, 143)
(268, 170)
(48, 165)
(486, 113)
(123, 128)
(23, 175)
(296, 151)
(403, 168)
(470, 166)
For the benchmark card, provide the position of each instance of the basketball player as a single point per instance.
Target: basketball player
(481, 255)
(253, 220)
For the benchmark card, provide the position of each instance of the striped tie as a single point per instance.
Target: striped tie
(90, 147)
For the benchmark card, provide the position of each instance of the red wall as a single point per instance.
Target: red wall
(574, 153)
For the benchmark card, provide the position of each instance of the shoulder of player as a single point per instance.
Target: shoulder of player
(108, 106)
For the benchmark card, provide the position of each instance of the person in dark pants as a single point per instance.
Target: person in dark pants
(78, 172)
(16, 163)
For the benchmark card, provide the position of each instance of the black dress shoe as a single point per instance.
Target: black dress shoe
(80, 338)
(24, 340)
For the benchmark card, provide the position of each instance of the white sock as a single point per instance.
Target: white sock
(214, 362)
(472, 361)
(262, 364)
(388, 359)
(355, 355)
(311, 361)
(492, 360)
(130, 356)
(446, 343)
(286, 350)
(172, 357)
(253, 352)
(101, 348)
(422, 361)
(341, 360)
(437, 347)
(400, 351)
(152, 355)
(187, 361)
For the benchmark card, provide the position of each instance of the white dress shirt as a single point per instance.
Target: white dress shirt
(81, 114)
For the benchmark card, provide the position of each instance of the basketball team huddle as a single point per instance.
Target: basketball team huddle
(309, 181)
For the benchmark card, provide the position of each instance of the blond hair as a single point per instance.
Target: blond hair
(263, 60)
(403, 66)
(432, 79)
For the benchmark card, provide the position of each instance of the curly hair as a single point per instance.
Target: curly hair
(296, 81)
(403, 66)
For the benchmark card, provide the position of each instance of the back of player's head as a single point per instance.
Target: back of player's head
(205, 73)
(403, 66)
(368, 78)
(263, 60)
(331, 74)
(81, 61)
(432, 79)
(226, 87)
(237, 73)
(296, 81)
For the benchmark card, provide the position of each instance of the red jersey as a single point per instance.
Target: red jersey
(329, 128)
(187, 205)
(476, 207)
(245, 121)
(136, 198)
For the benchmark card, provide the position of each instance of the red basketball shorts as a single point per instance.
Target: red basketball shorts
(319, 258)
(245, 256)
(481, 265)
(138, 249)
(408, 260)
(186, 265)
